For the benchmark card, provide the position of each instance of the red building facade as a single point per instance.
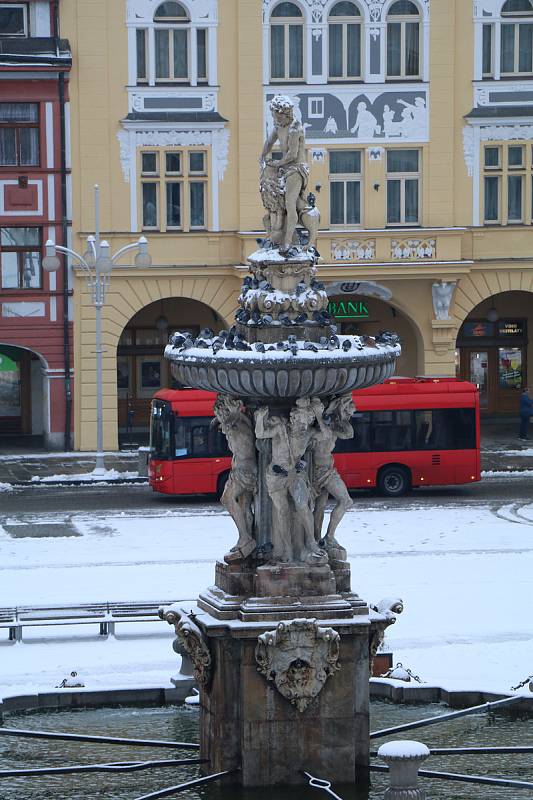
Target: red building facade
(35, 327)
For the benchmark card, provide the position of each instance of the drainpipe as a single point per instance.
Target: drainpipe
(64, 237)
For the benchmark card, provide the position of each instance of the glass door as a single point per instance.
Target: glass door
(479, 374)
(511, 378)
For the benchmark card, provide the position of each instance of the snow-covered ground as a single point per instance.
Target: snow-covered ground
(464, 573)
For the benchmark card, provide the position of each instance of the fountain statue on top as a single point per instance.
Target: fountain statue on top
(284, 379)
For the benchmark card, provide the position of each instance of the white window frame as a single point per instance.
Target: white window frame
(315, 111)
(24, 7)
(402, 177)
(345, 178)
(516, 22)
(403, 20)
(344, 22)
(286, 23)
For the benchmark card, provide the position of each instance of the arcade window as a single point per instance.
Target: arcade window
(403, 40)
(19, 135)
(286, 43)
(403, 187)
(345, 176)
(20, 258)
(174, 189)
(13, 19)
(506, 200)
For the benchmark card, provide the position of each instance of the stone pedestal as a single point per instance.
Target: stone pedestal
(246, 721)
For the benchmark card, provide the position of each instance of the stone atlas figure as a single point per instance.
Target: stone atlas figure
(238, 495)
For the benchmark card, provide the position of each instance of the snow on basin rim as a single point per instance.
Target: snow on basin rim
(403, 748)
(353, 356)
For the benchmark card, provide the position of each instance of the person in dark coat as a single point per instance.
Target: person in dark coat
(526, 411)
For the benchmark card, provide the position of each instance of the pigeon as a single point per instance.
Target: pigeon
(292, 339)
(311, 346)
(242, 316)
(301, 288)
(202, 344)
(187, 343)
(277, 470)
(280, 346)
(333, 329)
(178, 339)
(223, 335)
(207, 333)
(323, 343)
(256, 316)
(217, 345)
(240, 344)
(285, 320)
(346, 345)
(333, 343)
(301, 319)
(260, 347)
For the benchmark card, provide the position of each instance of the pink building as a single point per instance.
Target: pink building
(35, 326)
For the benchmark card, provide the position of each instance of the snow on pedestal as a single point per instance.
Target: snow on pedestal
(404, 758)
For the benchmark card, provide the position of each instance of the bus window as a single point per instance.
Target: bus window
(180, 441)
(445, 429)
(200, 441)
(391, 431)
(160, 431)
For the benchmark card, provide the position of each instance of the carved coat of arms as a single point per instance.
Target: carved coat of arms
(299, 657)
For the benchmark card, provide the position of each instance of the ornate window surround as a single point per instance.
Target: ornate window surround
(202, 14)
(486, 12)
(214, 136)
(478, 131)
(374, 23)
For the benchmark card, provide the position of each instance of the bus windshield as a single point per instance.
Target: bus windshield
(175, 437)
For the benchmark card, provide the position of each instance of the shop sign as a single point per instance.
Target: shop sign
(349, 309)
(508, 327)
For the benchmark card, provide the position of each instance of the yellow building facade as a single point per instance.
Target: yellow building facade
(419, 126)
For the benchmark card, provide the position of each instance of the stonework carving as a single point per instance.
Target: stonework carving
(298, 657)
(191, 641)
(240, 489)
(442, 293)
(284, 181)
(353, 249)
(130, 139)
(389, 608)
(413, 248)
(468, 148)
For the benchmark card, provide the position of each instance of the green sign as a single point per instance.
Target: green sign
(349, 309)
(7, 364)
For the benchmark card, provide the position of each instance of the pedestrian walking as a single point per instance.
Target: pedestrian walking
(526, 411)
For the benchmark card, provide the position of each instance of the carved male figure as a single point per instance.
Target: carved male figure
(284, 180)
(287, 482)
(333, 423)
(442, 292)
(238, 495)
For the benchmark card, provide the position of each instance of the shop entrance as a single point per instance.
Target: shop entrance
(22, 400)
(492, 352)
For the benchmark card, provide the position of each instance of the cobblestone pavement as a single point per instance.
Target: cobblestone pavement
(501, 450)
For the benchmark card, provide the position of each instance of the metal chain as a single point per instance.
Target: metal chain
(523, 683)
(409, 672)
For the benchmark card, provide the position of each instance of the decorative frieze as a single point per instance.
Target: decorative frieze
(298, 657)
(353, 250)
(403, 249)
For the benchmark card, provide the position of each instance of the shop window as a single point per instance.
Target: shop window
(403, 187)
(286, 43)
(345, 179)
(13, 19)
(403, 40)
(174, 190)
(510, 368)
(344, 42)
(19, 134)
(20, 258)
(516, 48)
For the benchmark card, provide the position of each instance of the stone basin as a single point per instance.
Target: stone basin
(278, 376)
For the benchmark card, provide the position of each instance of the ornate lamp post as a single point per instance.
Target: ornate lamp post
(97, 264)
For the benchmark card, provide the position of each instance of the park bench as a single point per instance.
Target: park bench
(106, 615)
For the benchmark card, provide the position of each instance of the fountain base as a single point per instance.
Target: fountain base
(273, 729)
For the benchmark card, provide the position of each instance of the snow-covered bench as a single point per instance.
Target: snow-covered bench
(105, 614)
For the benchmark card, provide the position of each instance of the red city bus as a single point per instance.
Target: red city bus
(409, 432)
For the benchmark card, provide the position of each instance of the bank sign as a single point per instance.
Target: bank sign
(349, 309)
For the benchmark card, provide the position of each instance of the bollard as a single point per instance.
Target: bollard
(143, 458)
(403, 759)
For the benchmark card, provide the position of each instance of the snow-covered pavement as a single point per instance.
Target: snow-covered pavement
(464, 573)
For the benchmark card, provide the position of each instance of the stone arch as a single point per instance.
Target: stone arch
(129, 292)
(479, 286)
(34, 382)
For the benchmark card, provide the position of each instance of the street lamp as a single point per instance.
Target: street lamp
(97, 264)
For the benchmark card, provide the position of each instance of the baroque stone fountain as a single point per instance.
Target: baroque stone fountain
(281, 645)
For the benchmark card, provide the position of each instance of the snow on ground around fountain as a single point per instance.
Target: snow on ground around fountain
(464, 573)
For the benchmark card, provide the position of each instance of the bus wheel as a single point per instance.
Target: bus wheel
(221, 483)
(394, 481)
